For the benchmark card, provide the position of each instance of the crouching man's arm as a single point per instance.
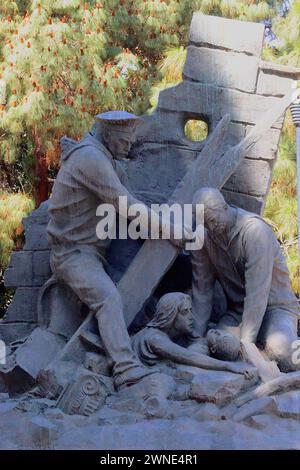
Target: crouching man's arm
(258, 246)
(204, 278)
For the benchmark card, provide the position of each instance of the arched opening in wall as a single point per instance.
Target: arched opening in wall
(196, 130)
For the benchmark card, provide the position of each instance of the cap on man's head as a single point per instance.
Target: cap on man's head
(119, 119)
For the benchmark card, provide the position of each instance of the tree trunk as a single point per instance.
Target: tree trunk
(41, 183)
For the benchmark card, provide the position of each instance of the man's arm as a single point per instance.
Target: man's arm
(204, 278)
(123, 177)
(258, 245)
(95, 172)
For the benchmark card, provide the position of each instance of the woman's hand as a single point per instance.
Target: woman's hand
(247, 370)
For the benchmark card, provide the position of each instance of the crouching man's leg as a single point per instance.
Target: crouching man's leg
(85, 274)
(277, 334)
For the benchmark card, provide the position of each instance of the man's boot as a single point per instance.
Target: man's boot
(127, 369)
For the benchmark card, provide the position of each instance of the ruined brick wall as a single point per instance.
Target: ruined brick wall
(223, 74)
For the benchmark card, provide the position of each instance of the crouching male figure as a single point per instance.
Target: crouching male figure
(241, 252)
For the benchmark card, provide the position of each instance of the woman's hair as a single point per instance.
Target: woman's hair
(167, 309)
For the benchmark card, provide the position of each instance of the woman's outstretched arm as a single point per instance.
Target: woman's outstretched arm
(167, 349)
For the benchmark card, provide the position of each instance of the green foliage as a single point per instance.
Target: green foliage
(64, 61)
(288, 31)
(237, 9)
(196, 130)
(13, 207)
(281, 206)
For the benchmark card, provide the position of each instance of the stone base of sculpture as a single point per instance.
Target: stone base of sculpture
(181, 408)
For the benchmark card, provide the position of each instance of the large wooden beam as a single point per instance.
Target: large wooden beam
(157, 256)
(280, 384)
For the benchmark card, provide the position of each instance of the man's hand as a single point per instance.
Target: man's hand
(267, 370)
(185, 230)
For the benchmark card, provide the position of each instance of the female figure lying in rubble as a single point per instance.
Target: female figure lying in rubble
(172, 320)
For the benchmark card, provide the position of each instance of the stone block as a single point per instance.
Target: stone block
(14, 380)
(214, 102)
(266, 147)
(38, 351)
(156, 407)
(34, 405)
(208, 412)
(162, 127)
(182, 392)
(8, 406)
(171, 163)
(273, 85)
(20, 373)
(10, 332)
(221, 68)
(41, 433)
(54, 413)
(28, 268)
(216, 386)
(241, 36)
(252, 177)
(4, 397)
(41, 267)
(20, 269)
(53, 379)
(249, 203)
(278, 124)
(235, 134)
(108, 416)
(23, 306)
(261, 421)
(288, 405)
(186, 373)
(159, 385)
(36, 238)
(35, 228)
(255, 407)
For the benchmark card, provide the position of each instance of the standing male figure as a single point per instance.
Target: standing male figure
(88, 177)
(241, 252)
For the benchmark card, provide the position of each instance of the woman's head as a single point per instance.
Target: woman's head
(173, 312)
